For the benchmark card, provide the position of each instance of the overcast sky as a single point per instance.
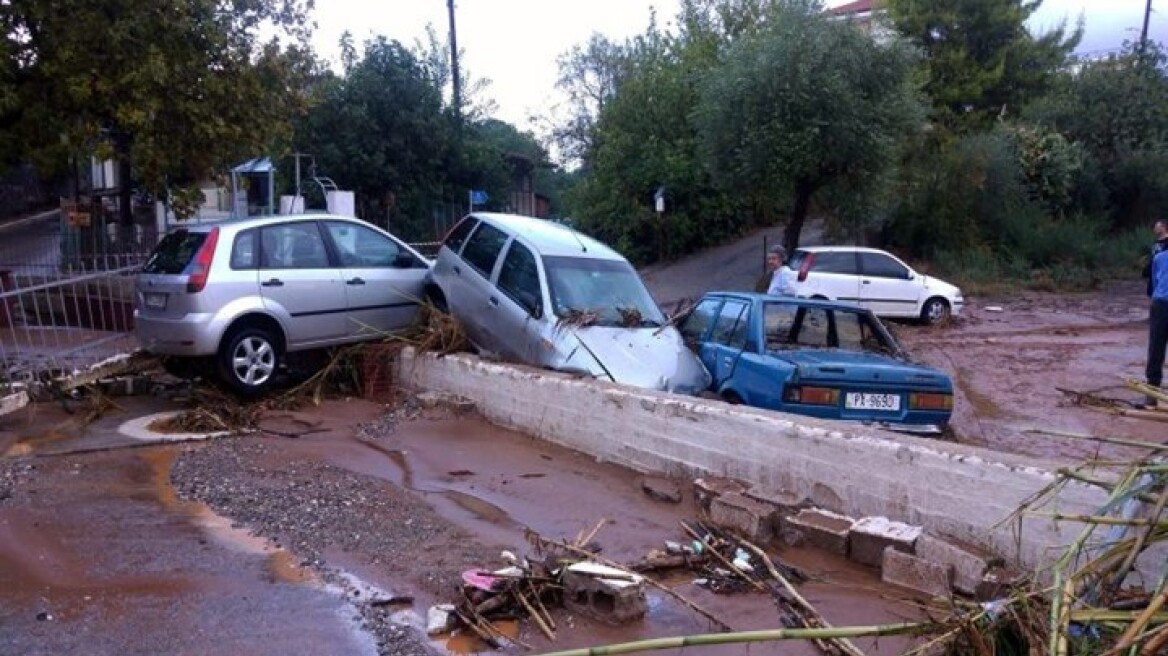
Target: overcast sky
(515, 43)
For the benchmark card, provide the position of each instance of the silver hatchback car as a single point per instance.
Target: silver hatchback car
(244, 293)
(536, 292)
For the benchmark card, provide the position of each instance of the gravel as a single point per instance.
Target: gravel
(11, 472)
(312, 508)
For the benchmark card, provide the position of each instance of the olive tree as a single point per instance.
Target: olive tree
(802, 104)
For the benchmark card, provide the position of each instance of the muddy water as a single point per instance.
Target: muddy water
(494, 482)
(1009, 368)
(100, 557)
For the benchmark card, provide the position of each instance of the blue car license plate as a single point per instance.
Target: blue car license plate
(869, 401)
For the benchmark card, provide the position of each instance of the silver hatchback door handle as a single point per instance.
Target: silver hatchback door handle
(274, 282)
(355, 281)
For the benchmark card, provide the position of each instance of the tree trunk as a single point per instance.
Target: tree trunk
(125, 191)
(803, 192)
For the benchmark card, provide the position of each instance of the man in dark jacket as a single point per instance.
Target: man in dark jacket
(1161, 245)
(1158, 317)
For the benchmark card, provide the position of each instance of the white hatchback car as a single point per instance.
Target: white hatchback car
(870, 278)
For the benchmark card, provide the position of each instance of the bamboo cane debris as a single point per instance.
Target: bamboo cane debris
(1093, 601)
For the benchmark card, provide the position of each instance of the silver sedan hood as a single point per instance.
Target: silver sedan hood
(651, 358)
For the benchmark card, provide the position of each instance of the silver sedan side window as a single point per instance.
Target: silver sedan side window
(519, 277)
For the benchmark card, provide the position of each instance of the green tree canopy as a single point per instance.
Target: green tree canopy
(981, 59)
(381, 130)
(644, 139)
(802, 104)
(1117, 109)
(175, 90)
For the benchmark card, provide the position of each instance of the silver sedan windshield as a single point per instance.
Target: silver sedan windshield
(603, 292)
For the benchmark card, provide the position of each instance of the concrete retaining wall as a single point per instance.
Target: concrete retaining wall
(953, 489)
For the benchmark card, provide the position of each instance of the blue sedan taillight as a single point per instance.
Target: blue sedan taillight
(812, 395)
(930, 401)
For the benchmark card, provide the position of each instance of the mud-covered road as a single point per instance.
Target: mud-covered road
(337, 541)
(1014, 359)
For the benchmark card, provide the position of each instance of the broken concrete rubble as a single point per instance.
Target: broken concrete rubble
(871, 535)
(12, 402)
(909, 571)
(784, 503)
(739, 513)
(823, 529)
(661, 489)
(440, 619)
(706, 489)
(969, 562)
(604, 593)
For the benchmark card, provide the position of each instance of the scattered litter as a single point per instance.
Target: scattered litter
(439, 619)
(480, 579)
(994, 308)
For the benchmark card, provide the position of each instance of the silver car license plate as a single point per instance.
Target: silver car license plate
(868, 401)
(156, 301)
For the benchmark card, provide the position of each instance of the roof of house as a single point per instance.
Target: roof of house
(856, 7)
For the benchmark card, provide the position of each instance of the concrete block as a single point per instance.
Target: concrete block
(969, 561)
(822, 529)
(871, 535)
(129, 385)
(665, 490)
(785, 503)
(915, 573)
(13, 402)
(706, 489)
(750, 519)
(439, 619)
(605, 594)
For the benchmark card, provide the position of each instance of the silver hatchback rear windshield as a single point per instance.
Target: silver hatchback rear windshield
(174, 252)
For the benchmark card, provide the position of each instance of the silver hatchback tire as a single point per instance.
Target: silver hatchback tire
(249, 360)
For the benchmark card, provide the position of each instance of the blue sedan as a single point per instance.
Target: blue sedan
(817, 358)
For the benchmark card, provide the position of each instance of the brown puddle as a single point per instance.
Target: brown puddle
(469, 643)
(28, 444)
(481, 509)
(284, 567)
(281, 565)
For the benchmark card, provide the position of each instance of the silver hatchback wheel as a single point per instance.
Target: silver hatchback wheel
(249, 361)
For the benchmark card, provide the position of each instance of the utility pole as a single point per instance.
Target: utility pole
(1144, 32)
(454, 64)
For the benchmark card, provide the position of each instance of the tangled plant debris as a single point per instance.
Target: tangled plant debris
(348, 370)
